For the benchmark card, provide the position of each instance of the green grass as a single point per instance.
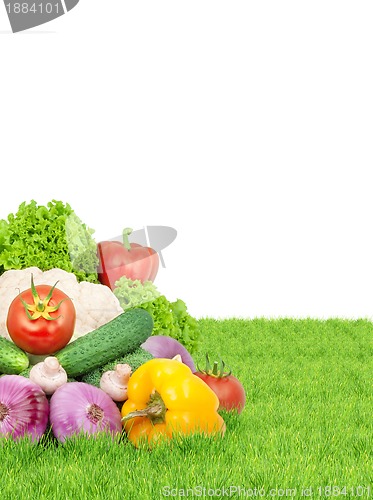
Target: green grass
(307, 424)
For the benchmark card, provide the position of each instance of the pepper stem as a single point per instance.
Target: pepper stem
(155, 410)
(126, 232)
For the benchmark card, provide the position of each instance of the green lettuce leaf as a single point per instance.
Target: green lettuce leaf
(170, 318)
(48, 237)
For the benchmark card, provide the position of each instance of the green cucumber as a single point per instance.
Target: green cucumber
(12, 359)
(120, 336)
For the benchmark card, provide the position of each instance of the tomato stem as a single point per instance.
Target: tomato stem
(40, 307)
(215, 370)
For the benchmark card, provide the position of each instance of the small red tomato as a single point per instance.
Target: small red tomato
(41, 320)
(229, 390)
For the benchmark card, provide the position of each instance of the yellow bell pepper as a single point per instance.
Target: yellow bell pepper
(165, 397)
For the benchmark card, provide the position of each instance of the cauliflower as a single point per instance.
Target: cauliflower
(95, 304)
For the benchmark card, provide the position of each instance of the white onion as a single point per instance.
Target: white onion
(77, 407)
(161, 346)
(24, 408)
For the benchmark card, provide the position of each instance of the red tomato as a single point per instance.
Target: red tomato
(41, 320)
(132, 260)
(229, 390)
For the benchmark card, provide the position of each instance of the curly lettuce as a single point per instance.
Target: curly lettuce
(170, 318)
(48, 237)
(134, 293)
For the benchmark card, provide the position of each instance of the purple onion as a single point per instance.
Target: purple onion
(78, 407)
(161, 346)
(24, 408)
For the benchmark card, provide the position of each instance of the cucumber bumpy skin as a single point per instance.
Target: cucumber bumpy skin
(120, 336)
(12, 359)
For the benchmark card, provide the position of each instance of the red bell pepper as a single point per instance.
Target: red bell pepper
(132, 260)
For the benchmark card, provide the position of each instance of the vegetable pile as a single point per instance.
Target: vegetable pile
(89, 345)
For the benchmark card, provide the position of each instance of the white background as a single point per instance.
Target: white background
(247, 126)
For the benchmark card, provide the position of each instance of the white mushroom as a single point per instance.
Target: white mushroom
(48, 374)
(115, 382)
